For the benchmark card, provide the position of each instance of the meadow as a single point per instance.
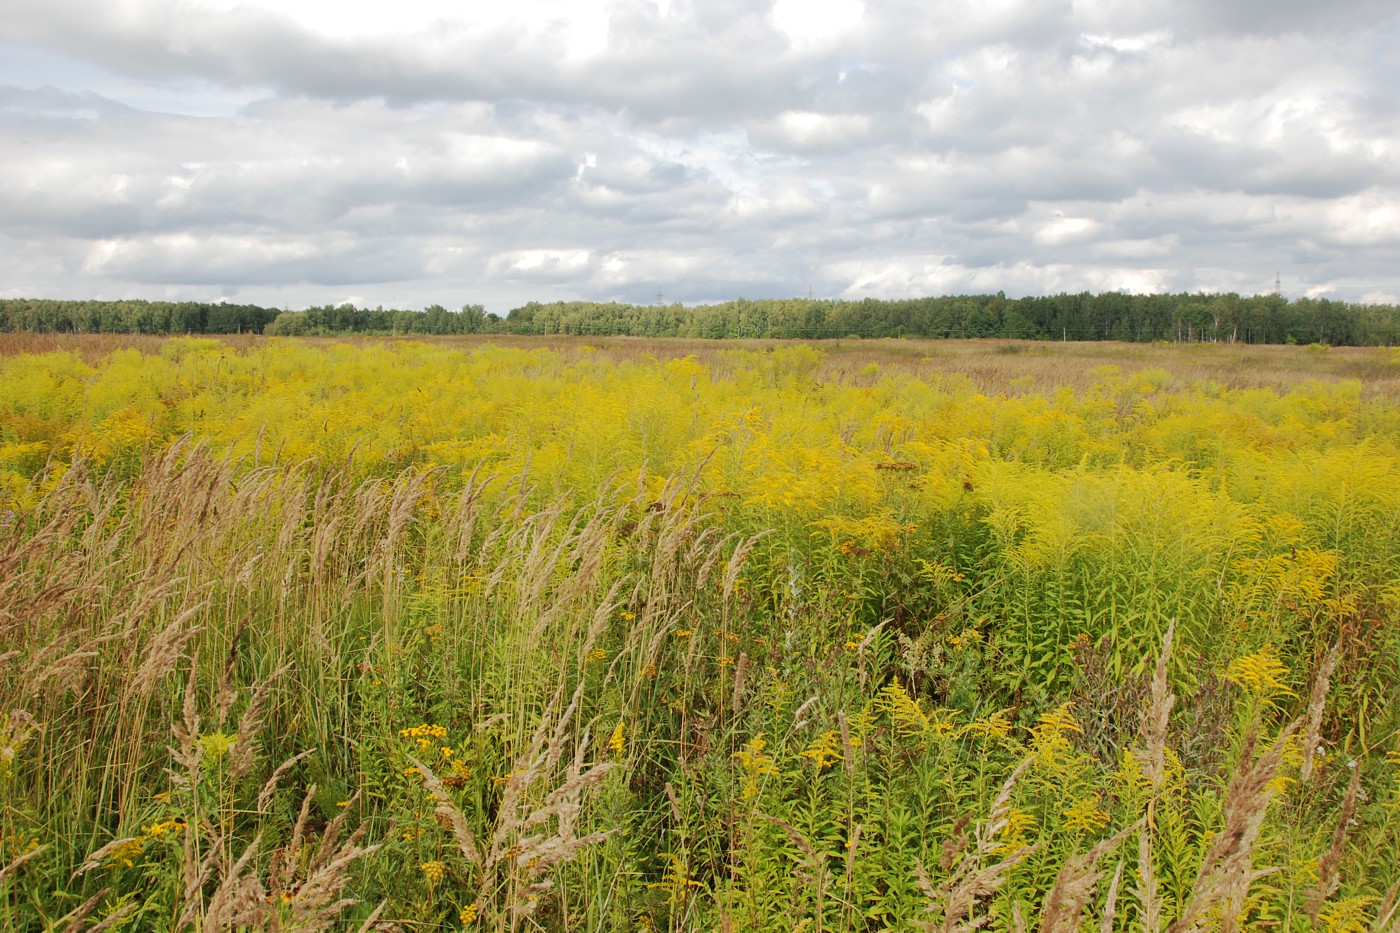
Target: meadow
(521, 634)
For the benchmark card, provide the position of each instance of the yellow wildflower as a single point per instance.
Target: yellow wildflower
(1014, 834)
(618, 742)
(126, 852)
(1261, 673)
(425, 731)
(908, 718)
(468, 915)
(756, 765)
(433, 871)
(825, 750)
(677, 881)
(1085, 816)
(995, 726)
(1050, 739)
(1346, 916)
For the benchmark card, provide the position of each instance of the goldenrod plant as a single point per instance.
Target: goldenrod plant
(500, 636)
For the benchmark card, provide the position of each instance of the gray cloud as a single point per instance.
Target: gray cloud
(163, 148)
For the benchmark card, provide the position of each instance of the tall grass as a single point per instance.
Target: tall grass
(835, 657)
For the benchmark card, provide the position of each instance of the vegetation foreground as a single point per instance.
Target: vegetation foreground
(424, 636)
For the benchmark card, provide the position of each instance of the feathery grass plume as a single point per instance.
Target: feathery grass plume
(244, 751)
(240, 900)
(1148, 895)
(1110, 904)
(976, 876)
(1064, 905)
(1159, 715)
(1328, 876)
(164, 651)
(1316, 700)
(1388, 915)
(17, 862)
(737, 697)
(1227, 865)
(115, 918)
(73, 920)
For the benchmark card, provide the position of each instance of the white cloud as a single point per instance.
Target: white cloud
(411, 153)
(817, 21)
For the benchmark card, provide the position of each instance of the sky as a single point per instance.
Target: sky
(429, 152)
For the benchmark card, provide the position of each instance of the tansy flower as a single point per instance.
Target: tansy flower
(433, 871)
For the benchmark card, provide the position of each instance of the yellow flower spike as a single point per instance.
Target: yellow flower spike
(907, 716)
(1084, 816)
(1260, 673)
(825, 750)
(995, 726)
(756, 765)
(618, 743)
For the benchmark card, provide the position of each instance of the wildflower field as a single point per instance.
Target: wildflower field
(508, 635)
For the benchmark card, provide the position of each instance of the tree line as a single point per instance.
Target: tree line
(1084, 316)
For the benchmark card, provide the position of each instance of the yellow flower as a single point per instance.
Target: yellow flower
(1050, 739)
(1014, 833)
(433, 871)
(1085, 816)
(1346, 916)
(597, 654)
(1261, 673)
(677, 881)
(618, 743)
(127, 852)
(908, 718)
(825, 750)
(156, 830)
(425, 731)
(216, 744)
(995, 726)
(756, 765)
(468, 915)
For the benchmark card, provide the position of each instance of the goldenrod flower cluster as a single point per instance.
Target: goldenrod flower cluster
(1261, 673)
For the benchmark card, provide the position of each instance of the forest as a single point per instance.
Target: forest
(1179, 318)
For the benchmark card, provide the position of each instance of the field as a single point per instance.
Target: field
(514, 634)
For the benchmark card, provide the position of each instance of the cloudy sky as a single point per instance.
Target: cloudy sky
(424, 151)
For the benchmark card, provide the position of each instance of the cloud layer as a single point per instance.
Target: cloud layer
(704, 150)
